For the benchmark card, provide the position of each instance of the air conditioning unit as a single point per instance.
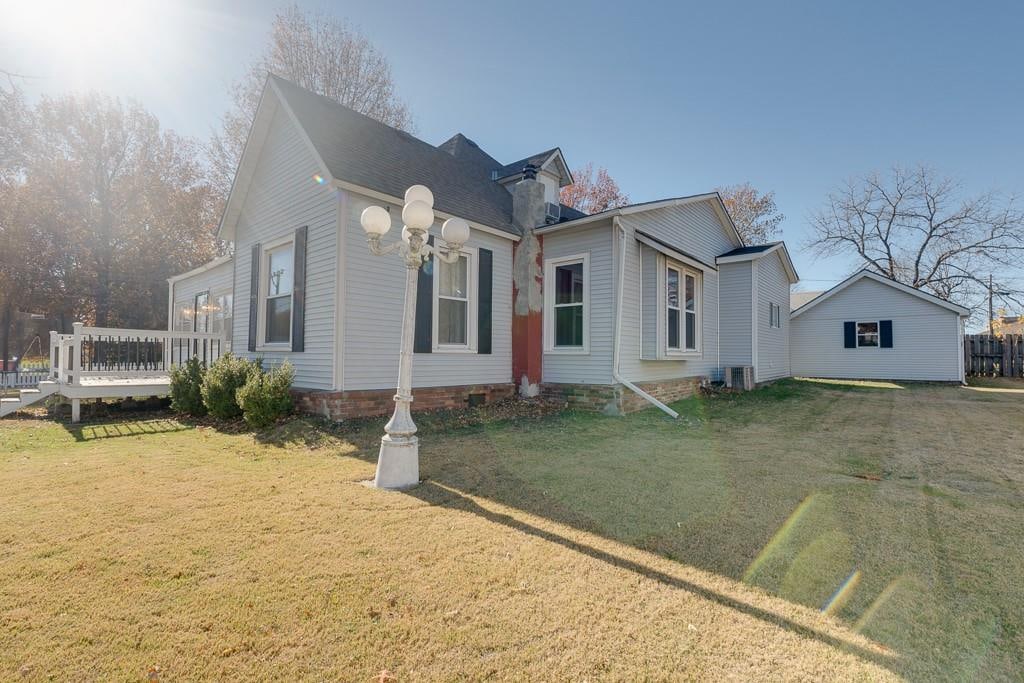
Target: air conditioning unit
(739, 378)
(552, 212)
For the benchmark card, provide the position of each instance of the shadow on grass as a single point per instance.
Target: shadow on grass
(119, 429)
(436, 493)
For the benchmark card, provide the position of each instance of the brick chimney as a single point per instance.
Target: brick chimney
(527, 284)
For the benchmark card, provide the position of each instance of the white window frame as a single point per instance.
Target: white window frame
(549, 304)
(471, 305)
(878, 333)
(684, 270)
(266, 251)
(181, 315)
(774, 316)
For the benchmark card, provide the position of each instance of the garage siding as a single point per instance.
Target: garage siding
(926, 343)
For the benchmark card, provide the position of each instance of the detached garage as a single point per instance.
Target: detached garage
(871, 327)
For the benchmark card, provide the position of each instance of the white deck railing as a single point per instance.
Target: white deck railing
(108, 352)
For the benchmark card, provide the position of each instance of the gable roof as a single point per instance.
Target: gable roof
(461, 147)
(540, 160)
(368, 153)
(757, 251)
(711, 197)
(798, 299)
(862, 274)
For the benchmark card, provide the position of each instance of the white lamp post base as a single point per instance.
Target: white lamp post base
(398, 465)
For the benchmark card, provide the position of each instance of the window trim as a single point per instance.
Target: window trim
(196, 313)
(472, 299)
(774, 316)
(878, 333)
(681, 353)
(549, 304)
(261, 333)
(182, 315)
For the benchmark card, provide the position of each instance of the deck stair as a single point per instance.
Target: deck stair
(27, 397)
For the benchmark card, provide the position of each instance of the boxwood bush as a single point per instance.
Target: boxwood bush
(266, 396)
(186, 388)
(226, 376)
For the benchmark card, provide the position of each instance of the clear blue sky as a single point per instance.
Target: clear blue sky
(673, 98)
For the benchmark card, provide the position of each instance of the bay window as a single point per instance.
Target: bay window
(681, 309)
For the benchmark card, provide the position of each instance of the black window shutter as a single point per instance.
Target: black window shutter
(483, 310)
(885, 334)
(299, 291)
(423, 338)
(254, 295)
(850, 335)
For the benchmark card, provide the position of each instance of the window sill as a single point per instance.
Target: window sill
(277, 348)
(683, 355)
(452, 349)
(567, 351)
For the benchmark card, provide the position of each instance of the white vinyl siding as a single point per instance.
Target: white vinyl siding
(374, 296)
(595, 365)
(926, 337)
(695, 230)
(772, 342)
(734, 309)
(282, 197)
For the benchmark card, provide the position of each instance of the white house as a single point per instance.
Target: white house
(614, 311)
(870, 327)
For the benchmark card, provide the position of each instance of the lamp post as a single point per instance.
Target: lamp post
(398, 465)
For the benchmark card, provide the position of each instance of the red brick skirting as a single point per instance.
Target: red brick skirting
(341, 405)
(615, 399)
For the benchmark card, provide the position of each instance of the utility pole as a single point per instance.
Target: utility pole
(991, 313)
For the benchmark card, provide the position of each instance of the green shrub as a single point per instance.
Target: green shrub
(226, 376)
(186, 388)
(266, 396)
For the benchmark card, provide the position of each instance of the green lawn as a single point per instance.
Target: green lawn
(807, 530)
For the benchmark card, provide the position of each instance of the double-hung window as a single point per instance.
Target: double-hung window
(221, 314)
(867, 334)
(681, 309)
(202, 313)
(454, 313)
(565, 298)
(774, 315)
(278, 280)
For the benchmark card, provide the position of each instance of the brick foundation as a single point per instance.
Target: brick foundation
(615, 399)
(343, 405)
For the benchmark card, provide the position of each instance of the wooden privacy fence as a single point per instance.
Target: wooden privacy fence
(989, 355)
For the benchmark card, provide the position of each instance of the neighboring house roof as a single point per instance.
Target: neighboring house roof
(1011, 324)
(209, 265)
(712, 197)
(862, 274)
(798, 299)
(758, 251)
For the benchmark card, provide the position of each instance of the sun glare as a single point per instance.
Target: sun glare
(83, 29)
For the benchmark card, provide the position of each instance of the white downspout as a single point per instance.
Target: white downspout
(618, 327)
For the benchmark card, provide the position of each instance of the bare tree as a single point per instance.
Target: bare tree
(756, 217)
(592, 193)
(321, 53)
(921, 229)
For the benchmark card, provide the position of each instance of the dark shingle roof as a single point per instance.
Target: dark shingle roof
(464, 149)
(753, 249)
(365, 152)
(570, 214)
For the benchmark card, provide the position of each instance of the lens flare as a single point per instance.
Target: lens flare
(319, 179)
(780, 536)
(842, 594)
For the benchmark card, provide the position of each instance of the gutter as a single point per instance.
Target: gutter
(618, 327)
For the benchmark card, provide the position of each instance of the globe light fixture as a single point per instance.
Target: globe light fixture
(398, 465)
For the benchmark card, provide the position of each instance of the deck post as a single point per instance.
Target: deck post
(76, 410)
(54, 355)
(76, 357)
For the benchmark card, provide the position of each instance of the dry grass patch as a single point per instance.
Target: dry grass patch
(738, 542)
